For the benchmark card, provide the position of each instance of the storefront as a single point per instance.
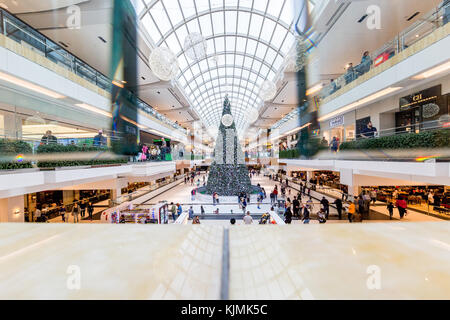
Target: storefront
(421, 110)
(417, 197)
(342, 127)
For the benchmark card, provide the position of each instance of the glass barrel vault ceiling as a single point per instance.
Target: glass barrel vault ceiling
(247, 43)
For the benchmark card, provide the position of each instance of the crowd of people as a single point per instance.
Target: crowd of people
(69, 213)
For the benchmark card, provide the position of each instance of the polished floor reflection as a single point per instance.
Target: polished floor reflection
(336, 261)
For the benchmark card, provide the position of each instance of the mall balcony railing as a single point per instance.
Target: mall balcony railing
(431, 140)
(419, 30)
(29, 152)
(17, 30)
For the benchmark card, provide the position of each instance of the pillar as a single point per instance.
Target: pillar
(12, 209)
(12, 126)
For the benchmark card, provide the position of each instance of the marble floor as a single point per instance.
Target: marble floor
(333, 261)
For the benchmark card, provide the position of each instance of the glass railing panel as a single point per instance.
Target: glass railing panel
(25, 35)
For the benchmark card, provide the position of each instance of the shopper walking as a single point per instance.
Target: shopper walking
(90, 210)
(401, 206)
(191, 213)
(390, 208)
(326, 206)
(338, 203)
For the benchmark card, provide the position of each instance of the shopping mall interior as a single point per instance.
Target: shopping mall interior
(224, 149)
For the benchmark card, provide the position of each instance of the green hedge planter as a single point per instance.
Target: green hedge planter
(427, 139)
(13, 148)
(57, 148)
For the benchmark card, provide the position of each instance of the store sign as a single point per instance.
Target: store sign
(337, 122)
(427, 96)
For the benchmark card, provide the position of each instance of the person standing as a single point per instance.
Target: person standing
(248, 218)
(369, 131)
(179, 209)
(351, 211)
(275, 194)
(191, 213)
(37, 214)
(193, 194)
(288, 216)
(373, 195)
(326, 206)
(82, 209)
(430, 198)
(100, 140)
(296, 206)
(90, 210)
(338, 203)
(305, 218)
(196, 220)
(202, 210)
(75, 212)
(173, 210)
(62, 212)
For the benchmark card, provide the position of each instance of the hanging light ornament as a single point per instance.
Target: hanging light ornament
(252, 115)
(195, 46)
(268, 90)
(164, 63)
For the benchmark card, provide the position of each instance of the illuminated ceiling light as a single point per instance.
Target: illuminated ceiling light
(353, 105)
(432, 72)
(314, 89)
(118, 84)
(30, 86)
(94, 109)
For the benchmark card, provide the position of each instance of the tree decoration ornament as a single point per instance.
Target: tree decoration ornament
(164, 63)
(268, 90)
(228, 174)
(195, 46)
(227, 120)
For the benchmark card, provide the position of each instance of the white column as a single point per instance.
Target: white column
(12, 209)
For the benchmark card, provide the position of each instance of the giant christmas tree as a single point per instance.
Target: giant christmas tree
(228, 174)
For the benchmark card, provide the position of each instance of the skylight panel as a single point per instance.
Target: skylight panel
(205, 24)
(256, 25)
(230, 21)
(161, 19)
(218, 23)
(261, 5)
(275, 7)
(243, 22)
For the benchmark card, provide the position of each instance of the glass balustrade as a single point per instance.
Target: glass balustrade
(16, 30)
